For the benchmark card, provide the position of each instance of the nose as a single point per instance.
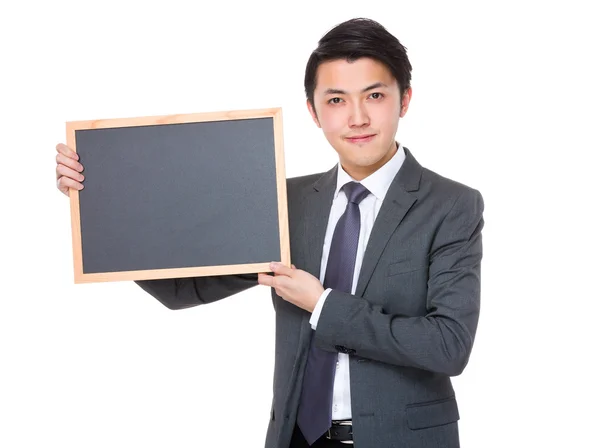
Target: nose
(359, 116)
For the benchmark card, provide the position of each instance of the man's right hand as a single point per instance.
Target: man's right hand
(68, 169)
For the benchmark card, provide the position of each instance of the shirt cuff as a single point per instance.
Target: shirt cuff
(318, 307)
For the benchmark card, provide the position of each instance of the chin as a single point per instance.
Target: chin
(367, 157)
(362, 162)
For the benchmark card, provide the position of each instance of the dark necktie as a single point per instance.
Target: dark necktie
(314, 412)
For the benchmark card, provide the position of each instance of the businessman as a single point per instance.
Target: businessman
(381, 305)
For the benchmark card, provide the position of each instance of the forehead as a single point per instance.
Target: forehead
(352, 76)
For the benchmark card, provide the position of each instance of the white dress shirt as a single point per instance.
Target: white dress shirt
(378, 184)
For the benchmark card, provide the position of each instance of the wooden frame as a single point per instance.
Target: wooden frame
(274, 113)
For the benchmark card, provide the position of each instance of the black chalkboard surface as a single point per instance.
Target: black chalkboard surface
(179, 196)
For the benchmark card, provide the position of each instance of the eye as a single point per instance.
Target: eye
(376, 95)
(336, 100)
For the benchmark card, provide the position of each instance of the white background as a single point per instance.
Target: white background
(505, 100)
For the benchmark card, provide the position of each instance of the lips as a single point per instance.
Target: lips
(360, 138)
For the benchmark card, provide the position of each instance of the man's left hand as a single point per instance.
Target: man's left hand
(294, 285)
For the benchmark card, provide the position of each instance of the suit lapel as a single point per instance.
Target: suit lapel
(317, 207)
(396, 205)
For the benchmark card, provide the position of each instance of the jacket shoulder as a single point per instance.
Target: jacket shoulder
(451, 187)
(450, 192)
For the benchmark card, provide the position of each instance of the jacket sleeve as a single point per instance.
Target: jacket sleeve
(441, 341)
(179, 293)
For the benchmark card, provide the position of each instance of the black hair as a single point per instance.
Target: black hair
(354, 39)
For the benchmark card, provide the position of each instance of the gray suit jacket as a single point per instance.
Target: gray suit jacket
(408, 328)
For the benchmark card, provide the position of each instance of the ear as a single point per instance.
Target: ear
(313, 113)
(405, 102)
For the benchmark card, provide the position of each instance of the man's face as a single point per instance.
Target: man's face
(357, 105)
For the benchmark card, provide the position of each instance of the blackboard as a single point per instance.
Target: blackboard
(179, 196)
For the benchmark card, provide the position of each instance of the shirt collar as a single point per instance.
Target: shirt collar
(379, 182)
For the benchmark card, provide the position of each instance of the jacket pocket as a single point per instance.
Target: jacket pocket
(432, 413)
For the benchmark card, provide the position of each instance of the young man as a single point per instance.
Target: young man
(381, 306)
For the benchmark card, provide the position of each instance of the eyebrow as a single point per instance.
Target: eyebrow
(377, 85)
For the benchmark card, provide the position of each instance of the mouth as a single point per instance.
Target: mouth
(361, 138)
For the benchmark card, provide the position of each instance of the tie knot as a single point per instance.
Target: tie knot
(355, 192)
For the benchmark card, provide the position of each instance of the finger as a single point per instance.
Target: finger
(293, 267)
(61, 148)
(70, 163)
(265, 279)
(278, 283)
(65, 171)
(281, 269)
(65, 183)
